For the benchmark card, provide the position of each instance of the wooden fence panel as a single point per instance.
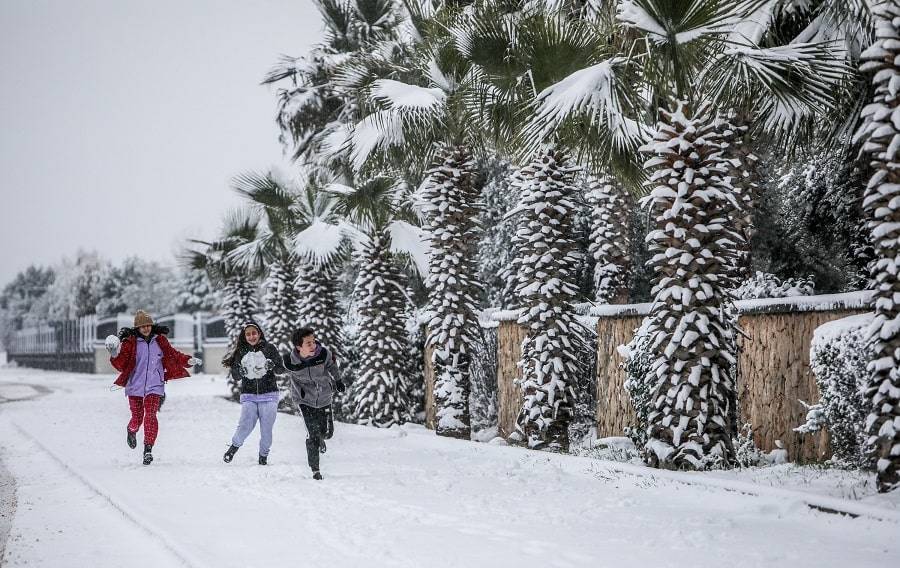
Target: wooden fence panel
(509, 396)
(774, 375)
(614, 410)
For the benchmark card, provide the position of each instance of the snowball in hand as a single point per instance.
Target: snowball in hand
(112, 344)
(255, 364)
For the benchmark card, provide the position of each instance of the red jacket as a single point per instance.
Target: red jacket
(174, 361)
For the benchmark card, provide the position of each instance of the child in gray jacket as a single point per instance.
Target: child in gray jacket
(313, 377)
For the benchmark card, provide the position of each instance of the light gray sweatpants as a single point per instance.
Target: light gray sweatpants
(265, 412)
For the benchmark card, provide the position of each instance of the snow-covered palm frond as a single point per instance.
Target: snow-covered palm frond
(319, 241)
(679, 22)
(409, 100)
(784, 85)
(407, 116)
(409, 239)
(378, 131)
(254, 255)
(592, 94)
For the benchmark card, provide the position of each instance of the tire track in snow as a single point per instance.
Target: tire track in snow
(184, 558)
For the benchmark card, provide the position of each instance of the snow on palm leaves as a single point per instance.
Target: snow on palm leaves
(547, 260)
(690, 336)
(881, 134)
(448, 198)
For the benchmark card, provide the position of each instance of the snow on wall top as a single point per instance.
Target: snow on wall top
(825, 302)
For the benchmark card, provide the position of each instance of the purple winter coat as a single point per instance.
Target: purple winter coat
(147, 377)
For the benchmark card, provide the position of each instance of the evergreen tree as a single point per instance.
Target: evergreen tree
(880, 133)
(196, 293)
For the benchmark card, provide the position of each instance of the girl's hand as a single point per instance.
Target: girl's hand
(194, 361)
(112, 345)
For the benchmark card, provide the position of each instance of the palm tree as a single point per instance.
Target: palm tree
(372, 216)
(314, 107)
(419, 115)
(692, 59)
(880, 133)
(270, 253)
(518, 55)
(299, 252)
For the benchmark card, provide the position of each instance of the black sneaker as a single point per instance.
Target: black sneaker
(229, 454)
(132, 439)
(317, 475)
(321, 446)
(148, 455)
(263, 460)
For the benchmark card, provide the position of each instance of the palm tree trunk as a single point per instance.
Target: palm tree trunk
(548, 261)
(610, 241)
(449, 197)
(691, 335)
(240, 308)
(881, 202)
(382, 339)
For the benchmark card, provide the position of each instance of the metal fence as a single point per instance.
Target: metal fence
(74, 345)
(59, 345)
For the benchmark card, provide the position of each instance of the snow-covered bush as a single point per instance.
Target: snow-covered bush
(746, 453)
(838, 358)
(639, 384)
(765, 285)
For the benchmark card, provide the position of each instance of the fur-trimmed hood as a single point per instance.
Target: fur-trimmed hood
(127, 332)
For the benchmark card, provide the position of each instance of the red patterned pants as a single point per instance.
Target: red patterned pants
(143, 411)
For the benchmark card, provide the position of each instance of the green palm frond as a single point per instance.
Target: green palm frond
(786, 88)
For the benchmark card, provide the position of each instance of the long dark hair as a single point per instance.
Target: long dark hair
(242, 345)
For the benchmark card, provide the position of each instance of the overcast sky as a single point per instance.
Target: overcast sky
(122, 122)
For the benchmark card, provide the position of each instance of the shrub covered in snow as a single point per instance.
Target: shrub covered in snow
(838, 358)
(639, 384)
(765, 285)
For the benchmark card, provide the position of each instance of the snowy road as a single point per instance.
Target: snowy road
(400, 497)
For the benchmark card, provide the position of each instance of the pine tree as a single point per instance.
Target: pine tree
(609, 243)
(881, 135)
(196, 292)
(690, 330)
(448, 197)
(382, 335)
(547, 261)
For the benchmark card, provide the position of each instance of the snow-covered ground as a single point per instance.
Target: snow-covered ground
(399, 497)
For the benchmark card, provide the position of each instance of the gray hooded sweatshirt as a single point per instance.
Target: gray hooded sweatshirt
(312, 381)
